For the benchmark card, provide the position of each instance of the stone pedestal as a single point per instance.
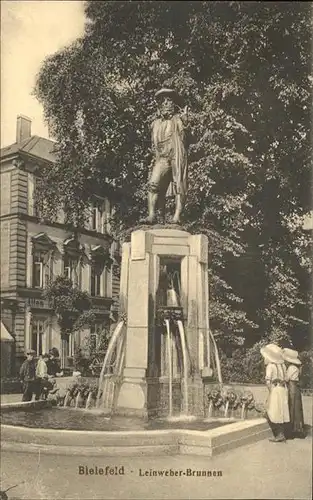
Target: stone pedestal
(141, 260)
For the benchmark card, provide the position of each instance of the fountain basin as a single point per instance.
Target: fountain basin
(214, 436)
(65, 418)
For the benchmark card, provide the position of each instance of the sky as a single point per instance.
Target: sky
(30, 31)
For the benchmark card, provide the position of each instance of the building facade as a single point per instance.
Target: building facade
(33, 253)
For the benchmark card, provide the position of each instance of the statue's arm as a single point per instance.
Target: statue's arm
(184, 116)
(154, 127)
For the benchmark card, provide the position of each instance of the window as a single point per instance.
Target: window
(38, 267)
(106, 217)
(37, 331)
(70, 267)
(33, 208)
(96, 218)
(95, 333)
(43, 249)
(100, 214)
(95, 285)
(42, 268)
(72, 260)
(70, 345)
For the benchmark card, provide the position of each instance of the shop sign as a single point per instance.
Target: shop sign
(38, 303)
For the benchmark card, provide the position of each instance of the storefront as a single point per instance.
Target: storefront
(7, 347)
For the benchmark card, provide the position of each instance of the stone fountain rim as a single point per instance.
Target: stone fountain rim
(237, 425)
(140, 442)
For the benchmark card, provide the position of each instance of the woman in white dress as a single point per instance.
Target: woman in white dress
(277, 404)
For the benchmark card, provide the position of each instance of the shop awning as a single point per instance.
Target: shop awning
(5, 335)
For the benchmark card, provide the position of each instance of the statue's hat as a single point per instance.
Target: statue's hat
(172, 94)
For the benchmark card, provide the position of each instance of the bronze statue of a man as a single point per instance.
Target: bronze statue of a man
(169, 172)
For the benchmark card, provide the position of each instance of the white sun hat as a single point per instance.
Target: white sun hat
(272, 353)
(291, 356)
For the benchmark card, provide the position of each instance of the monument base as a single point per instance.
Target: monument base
(132, 397)
(130, 401)
(150, 263)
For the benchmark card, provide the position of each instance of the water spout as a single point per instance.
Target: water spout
(170, 374)
(243, 411)
(185, 366)
(77, 400)
(210, 412)
(226, 409)
(108, 355)
(67, 399)
(217, 358)
(89, 399)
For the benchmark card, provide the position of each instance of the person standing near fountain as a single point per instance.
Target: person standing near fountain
(296, 427)
(277, 404)
(41, 375)
(169, 170)
(28, 376)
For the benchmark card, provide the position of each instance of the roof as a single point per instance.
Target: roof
(5, 335)
(35, 146)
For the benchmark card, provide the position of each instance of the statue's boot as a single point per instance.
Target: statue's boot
(152, 201)
(148, 220)
(178, 211)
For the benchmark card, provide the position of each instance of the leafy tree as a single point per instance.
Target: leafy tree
(243, 69)
(72, 307)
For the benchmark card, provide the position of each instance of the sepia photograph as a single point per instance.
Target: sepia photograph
(156, 250)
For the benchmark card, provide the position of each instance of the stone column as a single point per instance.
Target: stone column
(197, 315)
(133, 393)
(124, 278)
(28, 319)
(153, 342)
(29, 270)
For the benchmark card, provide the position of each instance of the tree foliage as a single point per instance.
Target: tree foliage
(72, 306)
(243, 70)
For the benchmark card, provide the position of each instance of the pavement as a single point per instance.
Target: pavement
(261, 470)
(10, 398)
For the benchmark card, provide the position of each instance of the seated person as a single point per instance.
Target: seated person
(53, 364)
(55, 392)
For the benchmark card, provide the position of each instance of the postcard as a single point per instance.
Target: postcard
(156, 221)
